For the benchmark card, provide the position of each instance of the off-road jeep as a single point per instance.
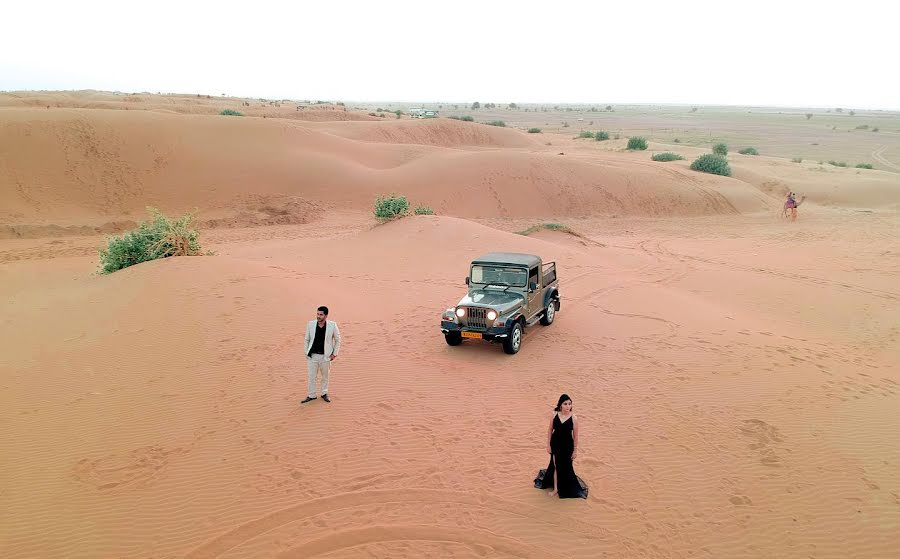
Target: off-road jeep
(508, 292)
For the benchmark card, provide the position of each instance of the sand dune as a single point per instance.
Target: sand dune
(736, 375)
(77, 168)
(168, 409)
(434, 132)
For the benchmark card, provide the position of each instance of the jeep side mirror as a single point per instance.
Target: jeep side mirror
(532, 286)
(467, 280)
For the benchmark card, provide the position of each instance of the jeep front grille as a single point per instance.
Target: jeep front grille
(476, 318)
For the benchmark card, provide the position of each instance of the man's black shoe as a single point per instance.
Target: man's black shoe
(326, 398)
(308, 399)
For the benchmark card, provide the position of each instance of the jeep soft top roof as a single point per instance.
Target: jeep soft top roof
(515, 258)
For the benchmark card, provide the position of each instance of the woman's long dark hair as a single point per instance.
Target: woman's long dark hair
(562, 399)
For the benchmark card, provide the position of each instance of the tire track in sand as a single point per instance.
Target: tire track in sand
(351, 536)
(878, 155)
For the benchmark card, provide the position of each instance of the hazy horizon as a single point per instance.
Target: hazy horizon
(462, 103)
(788, 55)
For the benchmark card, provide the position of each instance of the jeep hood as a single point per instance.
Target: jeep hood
(500, 301)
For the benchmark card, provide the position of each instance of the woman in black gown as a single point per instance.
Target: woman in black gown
(562, 445)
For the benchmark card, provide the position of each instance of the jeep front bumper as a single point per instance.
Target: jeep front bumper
(491, 334)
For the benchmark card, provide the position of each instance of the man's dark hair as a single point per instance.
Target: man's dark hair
(324, 309)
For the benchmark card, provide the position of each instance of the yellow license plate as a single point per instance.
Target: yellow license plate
(474, 335)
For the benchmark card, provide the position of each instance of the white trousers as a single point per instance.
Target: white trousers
(315, 363)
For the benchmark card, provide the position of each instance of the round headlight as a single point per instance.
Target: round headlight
(460, 312)
(492, 315)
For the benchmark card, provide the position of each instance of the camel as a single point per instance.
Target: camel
(790, 207)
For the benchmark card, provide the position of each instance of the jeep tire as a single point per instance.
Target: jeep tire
(549, 313)
(453, 338)
(513, 342)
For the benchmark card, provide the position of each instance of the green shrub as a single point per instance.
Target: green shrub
(230, 112)
(862, 127)
(712, 163)
(797, 160)
(666, 156)
(565, 124)
(600, 135)
(864, 166)
(749, 151)
(423, 210)
(550, 226)
(463, 118)
(389, 207)
(586, 134)
(534, 130)
(497, 123)
(720, 149)
(637, 143)
(159, 238)
(875, 129)
(677, 141)
(837, 163)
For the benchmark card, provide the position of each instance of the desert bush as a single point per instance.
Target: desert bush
(231, 112)
(463, 118)
(476, 105)
(864, 166)
(797, 160)
(749, 151)
(720, 149)
(534, 130)
(677, 141)
(809, 116)
(159, 238)
(565, 124)
(390, 207)
(837, 163)
(862, 127)
(550, 226)
(666, 156)
(712, 163)
(423, 210)
(600, 135)
(875, 129)
(499, 123)
(586, 134)
(637, 143)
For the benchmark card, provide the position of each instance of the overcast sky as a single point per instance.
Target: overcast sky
(760, 52)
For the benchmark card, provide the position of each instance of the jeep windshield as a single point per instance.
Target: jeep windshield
(500, 276)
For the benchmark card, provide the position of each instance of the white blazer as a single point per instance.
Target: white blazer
(332, 337)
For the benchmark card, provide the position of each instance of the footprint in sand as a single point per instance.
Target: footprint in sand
(740, 501)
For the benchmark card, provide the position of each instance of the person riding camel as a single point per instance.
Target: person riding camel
(790, 205)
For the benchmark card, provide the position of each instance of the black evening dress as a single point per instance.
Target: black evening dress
(562, 445)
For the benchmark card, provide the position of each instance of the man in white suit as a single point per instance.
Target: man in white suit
(323, 343)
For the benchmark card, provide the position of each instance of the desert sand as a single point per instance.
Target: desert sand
(736, 375)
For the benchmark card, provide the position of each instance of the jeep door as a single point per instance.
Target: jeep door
(535, 299)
